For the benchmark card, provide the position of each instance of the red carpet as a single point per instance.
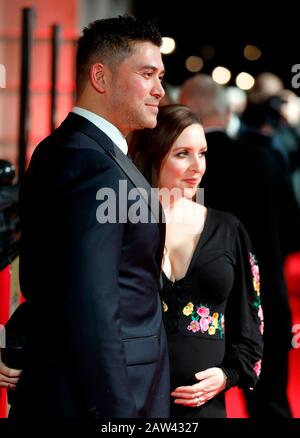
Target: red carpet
(234, 398)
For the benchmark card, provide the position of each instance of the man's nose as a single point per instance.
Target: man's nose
(159, 91)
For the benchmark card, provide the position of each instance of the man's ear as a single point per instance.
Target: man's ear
(97, 77)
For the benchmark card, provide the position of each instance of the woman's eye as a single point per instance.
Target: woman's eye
(183, 154)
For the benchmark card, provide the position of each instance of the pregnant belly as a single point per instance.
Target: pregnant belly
(191, 354)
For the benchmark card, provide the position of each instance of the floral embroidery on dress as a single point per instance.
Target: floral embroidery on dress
(188, 309)
(256, 286)
(255, 273)
(165, 306)
(257, 367)
(203, 321)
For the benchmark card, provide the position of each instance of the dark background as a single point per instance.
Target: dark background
(228, 27)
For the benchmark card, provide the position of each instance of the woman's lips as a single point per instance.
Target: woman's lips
(192, 181)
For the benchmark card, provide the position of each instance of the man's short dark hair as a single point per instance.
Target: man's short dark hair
(109, 40)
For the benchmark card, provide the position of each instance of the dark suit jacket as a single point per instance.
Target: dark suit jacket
(98, 347)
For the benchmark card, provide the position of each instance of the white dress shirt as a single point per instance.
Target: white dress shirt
(110, 130)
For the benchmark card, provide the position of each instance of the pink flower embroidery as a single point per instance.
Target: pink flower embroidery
(257, 368)
(204, 324)
(194, 326)
(203, 321)
(203, 311)
(222, 323)
(262, 327)
(261, 317)
(256, 287)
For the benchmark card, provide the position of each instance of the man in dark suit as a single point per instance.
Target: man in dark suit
(98, 345)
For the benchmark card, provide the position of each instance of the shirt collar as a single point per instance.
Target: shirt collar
(110, 130)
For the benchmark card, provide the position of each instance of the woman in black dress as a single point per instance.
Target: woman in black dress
(210, 278)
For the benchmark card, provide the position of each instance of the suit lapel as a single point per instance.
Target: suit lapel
(141, 183)
(78, 123)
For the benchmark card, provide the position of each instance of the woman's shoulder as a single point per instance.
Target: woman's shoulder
(229, 225)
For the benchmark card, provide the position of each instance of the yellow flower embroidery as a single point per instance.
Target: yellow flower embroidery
(212, 330)
(188, 309)
(256, 286)
(255, 273)
(215, 322)
(165, 307)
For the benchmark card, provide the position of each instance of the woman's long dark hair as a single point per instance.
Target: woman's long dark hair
(149, 147)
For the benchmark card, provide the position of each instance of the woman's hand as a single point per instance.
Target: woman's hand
(9, 377)
(211, 382)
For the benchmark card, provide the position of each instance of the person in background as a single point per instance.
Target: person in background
(210, 294)
(266, 85)
(98, 347)
(237, 102)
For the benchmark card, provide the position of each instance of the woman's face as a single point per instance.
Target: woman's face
(184, 165)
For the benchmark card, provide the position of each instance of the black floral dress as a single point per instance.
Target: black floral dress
(213, 315)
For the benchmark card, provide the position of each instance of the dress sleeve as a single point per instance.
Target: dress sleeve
(243, 317)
